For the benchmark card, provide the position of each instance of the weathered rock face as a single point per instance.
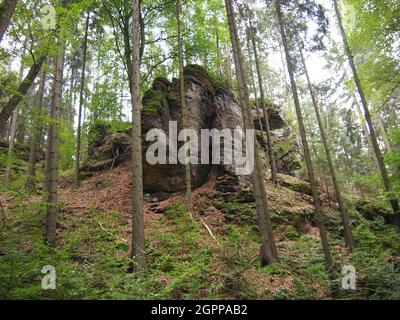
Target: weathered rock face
(288, 152)
(372, 211)
(210, 107)
(107, 149)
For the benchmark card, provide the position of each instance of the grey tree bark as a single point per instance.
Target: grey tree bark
(268, 251)
(21, 92)
(81, 98)
(384, 134)
(6, 13)
(138, 240)
(366, 132)
(184, 108)
(253, 83)
(36, 133)
(53, 146)
(382, 168)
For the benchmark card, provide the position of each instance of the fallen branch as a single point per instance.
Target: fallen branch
(109, 232)
(115, 159)
(210, 232)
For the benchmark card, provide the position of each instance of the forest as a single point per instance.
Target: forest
(199, 150)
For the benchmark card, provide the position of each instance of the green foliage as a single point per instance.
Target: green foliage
(153, 100)
(377, 245)
(92, 261)
(67, 146)
(177, 210)
(237, 212)
(393, 159)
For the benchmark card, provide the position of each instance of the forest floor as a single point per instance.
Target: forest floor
(210, 256)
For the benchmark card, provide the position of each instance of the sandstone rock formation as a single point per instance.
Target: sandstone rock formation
(210, 107)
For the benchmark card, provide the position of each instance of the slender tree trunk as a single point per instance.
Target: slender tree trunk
(270, 143)
(14, 122)
(81, 98)
(384, 135)
(46, 146)
(327, 191)
(382, 168)
(218, 53)
(253, 83)
(53, 146)
(36, 133)
(307, 155)
(11, 140)
(138, 241)
(228, 67)
(285, 81)
(21, 129)
(366, 132)
(185, 111)
(268, 249)
(71, 97)
(6, 13)
(345, 219)
(21, 92)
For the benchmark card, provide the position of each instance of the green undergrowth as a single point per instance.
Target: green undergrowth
(183, 260)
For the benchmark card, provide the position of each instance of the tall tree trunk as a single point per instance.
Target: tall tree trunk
(185, 111)
(268, 249)
(329, 196)
(253, 83)
(36, 133)
(6, 13)
(21, 92)
(345, 218)
(138, 241)
(366, 132)
(384, 135)
(285, 81)
(81, 97)
(382, 168)
(14, 122)
(13, 131)
(46, 171)
(307, 155)
(21, 128)
(71, 97)
(228, 67)
(218, 53)
(270, 143)
(53, 146)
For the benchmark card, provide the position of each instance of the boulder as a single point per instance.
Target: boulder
(295, 184)
(288, 153)
(108, 150)
(371, 211)
(210, 107)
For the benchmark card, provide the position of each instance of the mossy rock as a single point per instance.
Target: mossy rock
(153, 100)
(96, 165)
(295, 184)
(237, 212)
(371, 211)
(199, 75)
(161, 84)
